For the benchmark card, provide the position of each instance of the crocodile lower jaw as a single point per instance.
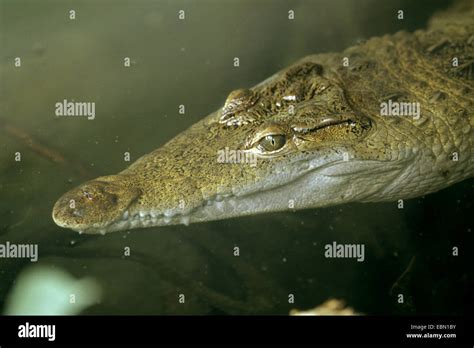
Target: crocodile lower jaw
(217, 207)
(151, 218)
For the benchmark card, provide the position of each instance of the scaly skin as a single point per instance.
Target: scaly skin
(317, 133)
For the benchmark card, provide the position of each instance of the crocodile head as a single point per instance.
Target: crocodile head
(312, 135)
(294, 141)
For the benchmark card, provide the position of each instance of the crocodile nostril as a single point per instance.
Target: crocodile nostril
(113, 199)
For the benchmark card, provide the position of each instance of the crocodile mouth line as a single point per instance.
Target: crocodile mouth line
(151, 218)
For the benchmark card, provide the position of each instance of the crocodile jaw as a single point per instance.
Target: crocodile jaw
(313, 184)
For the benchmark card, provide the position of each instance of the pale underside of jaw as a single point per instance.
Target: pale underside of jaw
(314, 186)
(215, 208)
(266, 198)
(150, 218)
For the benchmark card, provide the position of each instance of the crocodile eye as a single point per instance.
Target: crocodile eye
(271, 143)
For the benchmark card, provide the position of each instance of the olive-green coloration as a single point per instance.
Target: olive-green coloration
(318, 133)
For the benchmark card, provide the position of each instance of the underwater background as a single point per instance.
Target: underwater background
(190, 62)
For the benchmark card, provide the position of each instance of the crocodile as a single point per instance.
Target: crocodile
(388, 119)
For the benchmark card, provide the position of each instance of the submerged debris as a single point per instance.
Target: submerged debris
(329, 307)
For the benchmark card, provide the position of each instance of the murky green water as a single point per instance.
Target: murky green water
(190, 62)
